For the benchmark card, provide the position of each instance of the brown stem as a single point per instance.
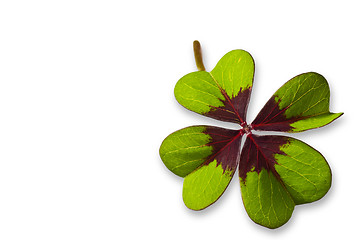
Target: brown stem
(198, 56)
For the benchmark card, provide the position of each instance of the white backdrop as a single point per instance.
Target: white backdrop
(86, 98)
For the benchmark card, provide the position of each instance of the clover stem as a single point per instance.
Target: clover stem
(198, 56)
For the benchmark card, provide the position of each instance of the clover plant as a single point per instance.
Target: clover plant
(275, 172)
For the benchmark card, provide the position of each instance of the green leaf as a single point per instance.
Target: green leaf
(303, 170)
(234, 72)
(274, 169)
(224, 92)
(207, 157)
(266, 200)
(300, 104)
(185, 150)
(204, 186)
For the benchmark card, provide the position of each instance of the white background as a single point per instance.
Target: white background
(86, 98)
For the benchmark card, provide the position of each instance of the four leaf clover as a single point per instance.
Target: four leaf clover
(275, 172)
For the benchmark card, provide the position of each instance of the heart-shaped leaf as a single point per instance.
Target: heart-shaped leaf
(300, 104)
(224, 92)
(200, 154)
(280, 172)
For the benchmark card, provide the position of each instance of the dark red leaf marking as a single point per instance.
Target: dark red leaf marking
(271, 118)
(226, 146)
(234, 110)
(258, 154)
